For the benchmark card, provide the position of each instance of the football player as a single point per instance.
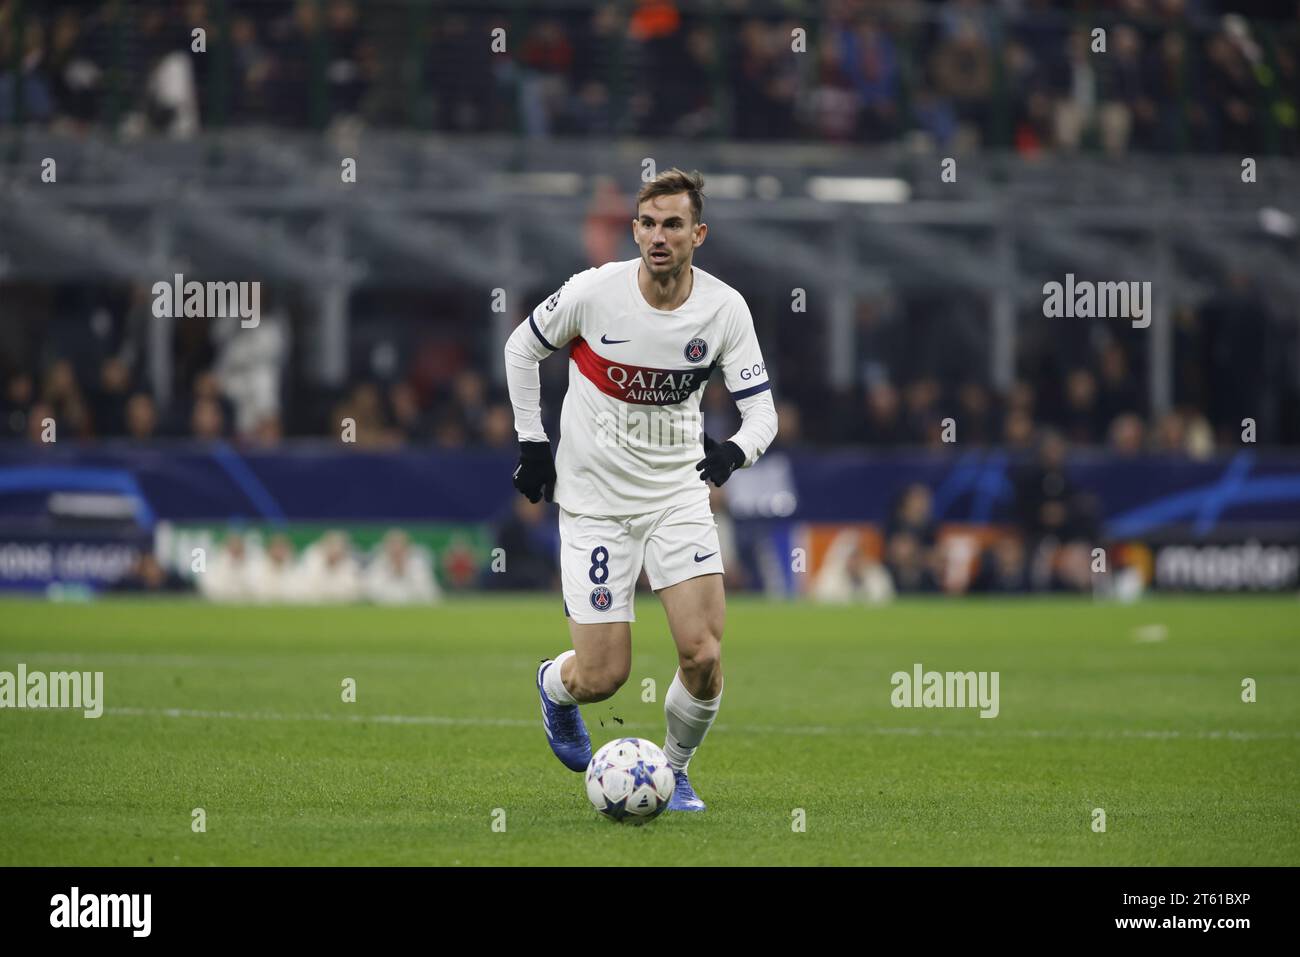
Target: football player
(630, 471)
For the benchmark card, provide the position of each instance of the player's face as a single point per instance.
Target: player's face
(666, 234)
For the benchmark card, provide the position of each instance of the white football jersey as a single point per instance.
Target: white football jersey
(630, 425)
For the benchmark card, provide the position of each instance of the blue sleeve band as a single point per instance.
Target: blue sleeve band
(752, 390)
(538, 332)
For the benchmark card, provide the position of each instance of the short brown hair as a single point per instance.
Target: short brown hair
(671, 182)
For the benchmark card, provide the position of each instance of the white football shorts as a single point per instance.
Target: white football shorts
(601, 557)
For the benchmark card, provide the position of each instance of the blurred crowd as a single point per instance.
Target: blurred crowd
(328, 571)
(1041, 539)
(1177, 75)
(1045, 544)
(80, 355)
(85, 365)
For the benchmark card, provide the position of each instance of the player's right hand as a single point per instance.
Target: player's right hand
(720, 460)
(535, 474)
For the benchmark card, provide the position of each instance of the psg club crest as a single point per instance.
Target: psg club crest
(696, 350)
(601, 599)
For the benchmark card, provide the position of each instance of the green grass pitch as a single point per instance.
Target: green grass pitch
(239, 711)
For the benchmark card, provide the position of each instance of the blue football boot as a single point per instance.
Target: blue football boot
(565, 731)
(684, 797)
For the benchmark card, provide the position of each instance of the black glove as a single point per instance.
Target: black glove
(535, 475)
(720, 460)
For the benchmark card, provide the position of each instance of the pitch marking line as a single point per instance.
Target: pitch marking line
(446, 721)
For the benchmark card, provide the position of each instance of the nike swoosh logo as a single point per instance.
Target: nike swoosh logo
(612, 342)
(700, 558)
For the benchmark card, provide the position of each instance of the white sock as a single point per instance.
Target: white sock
(689, 720)
(553, 685)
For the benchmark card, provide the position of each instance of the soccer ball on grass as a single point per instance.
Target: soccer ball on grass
(629, 780)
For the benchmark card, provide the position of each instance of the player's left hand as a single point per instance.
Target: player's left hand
(720, 460)
(535, 475)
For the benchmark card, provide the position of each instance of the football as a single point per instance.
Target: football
(630, 780)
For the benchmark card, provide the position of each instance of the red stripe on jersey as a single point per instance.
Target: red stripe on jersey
(639, 384)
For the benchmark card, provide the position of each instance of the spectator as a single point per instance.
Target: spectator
(141, 417)
(229, 574)
(15, 403)
(1183, 432)
(449, 430)
(469, 400)
(1003, 569)
(1232, 89)
(1082, 424)
(1126, 435)
(911, 565)
(1176, 103)
(872, 65)
(37, 103)
(77, 80)
(147, 575)
(278, 576)
(763, 85)
(249, 363)
(531, 549)
(1125, 104)
(499, 427)
(1044, 492)
(207, 422)
(295, 51)
(63, 394)
(343, 71)
(1055, 519)
(399, 574)
(913, 514)
(545, 57)
(883, 426)
(1018, 431)
(1116, 393)
(405, 411)
(922, 399)
(962, 73)
(330, 573)
(935, 116)
(975, 407)
(833, 105)
(253, 66)
(365, 410)
(847, 574)
(110, 399)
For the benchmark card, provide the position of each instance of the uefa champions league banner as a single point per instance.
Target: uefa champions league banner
(302, 481)
(42, 560)
(80, 514)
